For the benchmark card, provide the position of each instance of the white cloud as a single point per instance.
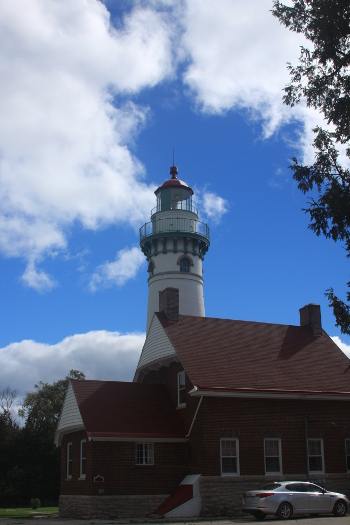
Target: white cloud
(125, 267)
(214, 206)
(238, 54)
(99, 354)
(343, 346)
(63, 137)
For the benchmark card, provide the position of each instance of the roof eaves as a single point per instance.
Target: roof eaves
(136, 437)
(268, 393)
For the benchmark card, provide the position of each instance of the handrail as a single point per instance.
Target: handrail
(181, 205)
(174, 224)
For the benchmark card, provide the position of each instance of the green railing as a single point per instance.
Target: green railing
(173, 225)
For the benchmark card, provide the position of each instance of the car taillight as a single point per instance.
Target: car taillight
(265, 494)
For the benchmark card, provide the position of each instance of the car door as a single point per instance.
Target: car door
(298, 498)
(319, 500)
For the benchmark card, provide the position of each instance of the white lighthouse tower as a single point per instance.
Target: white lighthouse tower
(174, 243)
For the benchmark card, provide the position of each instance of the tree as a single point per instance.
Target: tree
(29, 461)
(41, 409)
(322, 78)
(7, 399)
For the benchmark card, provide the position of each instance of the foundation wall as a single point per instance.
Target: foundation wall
(108, 507)
(222, 496)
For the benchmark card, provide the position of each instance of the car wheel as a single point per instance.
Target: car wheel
(340, 508)
(285, 511)
(260, 516)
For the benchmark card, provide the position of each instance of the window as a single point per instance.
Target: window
(229, 456)
(69, 459)
(272, 452)
(181, 391)
(144, 454)
(315, 447)
(83, 458)
(347, 452)
(184, 265)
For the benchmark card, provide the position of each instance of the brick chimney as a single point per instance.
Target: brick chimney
(169, 303)
(310, 315)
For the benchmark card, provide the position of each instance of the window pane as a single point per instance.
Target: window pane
(150, 454)
(228, 448)
(315, 447)
(229, 465)
(272, 464)
(315, 464)
(139, 454)
(271, 447)
(83, 458)
(347, 444)
(69, 460)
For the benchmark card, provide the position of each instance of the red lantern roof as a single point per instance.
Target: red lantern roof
(174, 182)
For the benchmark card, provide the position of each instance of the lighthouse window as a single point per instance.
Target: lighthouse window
(150, 268)
(184, 265)
(181, 386)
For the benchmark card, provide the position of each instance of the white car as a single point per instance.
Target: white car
(285, 499)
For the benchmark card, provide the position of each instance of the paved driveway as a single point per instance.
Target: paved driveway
(247, 520)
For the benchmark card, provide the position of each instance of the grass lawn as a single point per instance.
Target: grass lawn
(27, 512)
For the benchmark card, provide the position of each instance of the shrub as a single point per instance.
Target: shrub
(35, 503)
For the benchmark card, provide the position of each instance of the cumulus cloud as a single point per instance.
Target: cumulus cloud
(343, 346)
(237, 55)
(214, 206)
(99, 354)
(66, 121)
(125, 267)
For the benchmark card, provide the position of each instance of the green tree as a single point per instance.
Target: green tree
(322, 78)
(41, 409)
(29, 461)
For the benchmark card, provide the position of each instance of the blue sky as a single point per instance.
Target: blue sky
(94, 96)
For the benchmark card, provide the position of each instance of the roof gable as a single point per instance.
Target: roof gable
(70, 418)
(222, 354)
(157, 349)
(115, 409)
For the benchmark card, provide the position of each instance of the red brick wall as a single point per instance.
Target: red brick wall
(251, 420)
(115, 462)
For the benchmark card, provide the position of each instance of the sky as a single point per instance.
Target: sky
(94, 96)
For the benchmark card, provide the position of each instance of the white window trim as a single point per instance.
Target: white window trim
(346, 454)
(69, 446)
(237, 456)
(178, 388)
(270, 473)
(149, 446)
(322, 456)
(82, 476)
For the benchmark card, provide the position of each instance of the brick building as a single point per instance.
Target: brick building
(217, 406)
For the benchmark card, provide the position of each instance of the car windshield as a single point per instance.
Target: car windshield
(271, 486)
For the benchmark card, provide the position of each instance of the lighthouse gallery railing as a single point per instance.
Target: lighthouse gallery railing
(174, 224)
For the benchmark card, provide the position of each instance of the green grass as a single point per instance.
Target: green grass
(27, 512)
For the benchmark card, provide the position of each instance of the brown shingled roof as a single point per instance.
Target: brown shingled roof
(120, 409)
(221, 354)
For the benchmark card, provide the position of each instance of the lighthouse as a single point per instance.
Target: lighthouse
(174, 243)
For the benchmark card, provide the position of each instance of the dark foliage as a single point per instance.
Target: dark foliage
(322, 78)
(29, 461)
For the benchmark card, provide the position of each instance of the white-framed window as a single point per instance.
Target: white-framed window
(181, 389)
(144, 454)
(272, 454)
(69, 459)
(229, 456)
(347, 453)
(83, 458)
(316, 460)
